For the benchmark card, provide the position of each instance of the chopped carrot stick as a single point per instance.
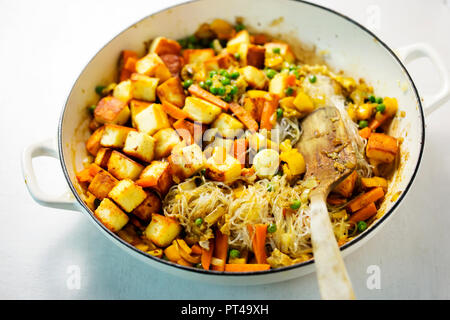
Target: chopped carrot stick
(244, 116)
(125, 75)
(173, 111)
(239, 150)
(203, 94)
(365, 199)
(185, 129)
(374, 124)
(207, 255)
(258, 234)
(247, 267)
(365, 133)
(130, 64)
(364, 213)
(196, 249)
(268, 114)
(220, 249)
(335, 200)
(290, 80)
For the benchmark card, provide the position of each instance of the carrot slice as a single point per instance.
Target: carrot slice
(84, 176)
(247, 267)
(365, 133)
(258, 234)
(207, 255)
(268, 114)
(173, 111)
(130, 64)
(374, 124)
(220, 249)
(244, 116)
(239, 150)
(203, 94)
(196, 249)
(290, 80)
(365, 199)
(364, 213)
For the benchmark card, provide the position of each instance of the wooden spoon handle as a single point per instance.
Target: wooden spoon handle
(334, 282)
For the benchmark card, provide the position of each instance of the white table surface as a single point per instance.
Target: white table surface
(43, 47)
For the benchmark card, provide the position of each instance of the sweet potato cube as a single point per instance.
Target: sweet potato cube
(152, 119)
(93, 143)
(123, 167)
(110, 215)
(381, 147)
(151, 204)
(171, 91)
(152, 65)
(157, 176)
(162, 46)
(162, 230)
(166, 140)
(140, 145)
(144, 87)
(111, 110)
(114, 136)
(345, 188)
(102, 157)
(127, 195)
(101, 184)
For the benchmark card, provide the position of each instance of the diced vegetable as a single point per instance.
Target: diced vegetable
(152, 65)
(171, 91)
(258, 234)
(228, 126)
(368, 183)
(365, 199)
(207, 255)
(248, 121)
(220, 250)
(203, 94)
(382, 147)
(364, 213)
(249, 267)
(345, 188)
(144, 87)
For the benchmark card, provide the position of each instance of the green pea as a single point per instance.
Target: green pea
(228, 98)
(276, 50)
(99, 90)
(233, 90)
(92, 108)
(198, 266)
(225, 81)
(372, 98)
(296, 74)
(187, 83)
(192, 39)
(296, 204)
(212, 73)
(208, 82)
(279, 113)
(289, 91)
(202, 84)
(234, 253)
(270, 73)
(361, 226)
(380, 108)
(234, 75)
(363, 124)
(183, 43)
(312, 79)
(239, 27)
(221, 91)
(214, 90)
(222, 72)
(237, 56)
(272, 228)
(379, 100)
(191, 46)
(198, 221)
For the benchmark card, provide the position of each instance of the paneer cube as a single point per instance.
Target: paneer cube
(110, 215)
(381, 147)
(140, 145)
(157, 176)
(162, 230)
(93, 143)
(114, 136)
(144, 87)
(152, 119)
(278, 84)
(102, 184)
(277, 53)
(166, 140)
(254, 77)
(200, 110)
(241, 37)
(111, 110)
(137, 106)
(172, 91)
(152, 65)
(127, 195)
(162, 46)
(185, 161)
(222, 166)
(122, 167)
(123, 91)
(197, 56)
(151, 204)
(102, 157)
(228, 126)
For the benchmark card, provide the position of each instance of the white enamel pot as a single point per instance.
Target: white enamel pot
(349, 46)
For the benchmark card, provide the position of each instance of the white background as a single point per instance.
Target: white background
(43, 47)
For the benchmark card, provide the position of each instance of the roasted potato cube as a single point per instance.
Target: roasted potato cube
(127, 194)
(114, 136)
(172, 91)
(345, 188)
(185, 161)
(102, 157)
(228, 126)
(152, 65)
(123, 167)
(152, 119)
(157, 176)
(93, 143)
(137, 106)
(144, 87)
(162, 46)
(381, 147)
(162, 230)
(256, 56)
(277, 53)
(222, 166)
(123, 91)
(197, 56)
(254, 77)
(140, 145)
(201, 110)
(151, 204)
(166, 139)
(111, 110)
(102, 184)
(110, 215)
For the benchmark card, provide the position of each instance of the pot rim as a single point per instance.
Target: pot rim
(270, 271)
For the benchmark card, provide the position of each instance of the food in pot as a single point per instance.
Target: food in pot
(194, 156)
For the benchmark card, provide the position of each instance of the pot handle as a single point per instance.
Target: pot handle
(412, 52)
(45, 148)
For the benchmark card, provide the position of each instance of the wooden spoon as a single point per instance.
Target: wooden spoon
(329, 158)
